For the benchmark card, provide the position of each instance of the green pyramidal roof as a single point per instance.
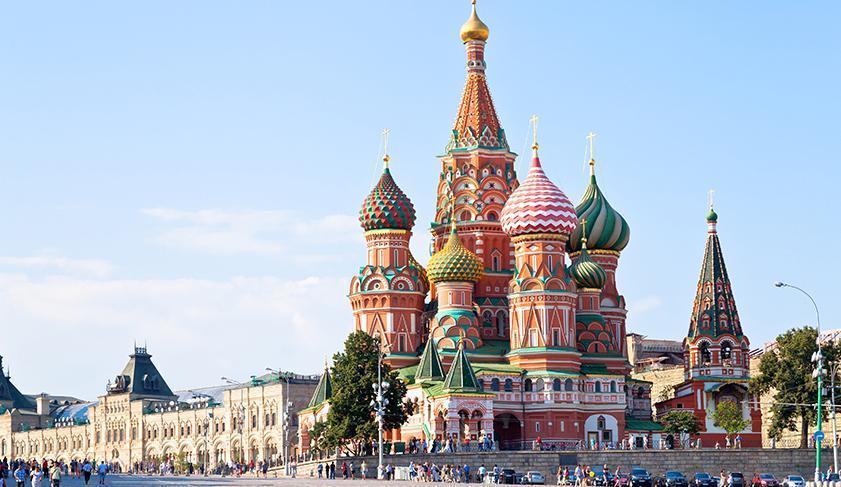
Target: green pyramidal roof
(324, 391)
(461, 377)
(429, 368)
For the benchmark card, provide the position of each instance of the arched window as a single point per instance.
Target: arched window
(726, 351)
(540, 386)
(482, 385)
(601, 423)
(598, 386)
(527, 385)
(556, 385)
(464, 216)
(509, 385)
(613, 386)
(706, 356)
(495, 263)
(492, 216)
(568, 385)
(495, 384)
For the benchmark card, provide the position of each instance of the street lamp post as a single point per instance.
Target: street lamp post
(379, 404)
(818, 374)
(287, 409)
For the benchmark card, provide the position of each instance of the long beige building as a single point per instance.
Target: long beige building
(141, 421)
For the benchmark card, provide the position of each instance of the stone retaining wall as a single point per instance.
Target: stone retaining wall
(747, 461)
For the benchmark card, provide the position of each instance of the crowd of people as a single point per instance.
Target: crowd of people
(50, 472)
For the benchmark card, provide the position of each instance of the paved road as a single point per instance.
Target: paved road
(129, 480)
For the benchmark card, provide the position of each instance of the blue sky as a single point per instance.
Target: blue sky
(188, 173)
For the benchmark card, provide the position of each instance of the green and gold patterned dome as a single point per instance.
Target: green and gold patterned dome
(387, 207)
(585, 272)
(454, 262)
(606, 228)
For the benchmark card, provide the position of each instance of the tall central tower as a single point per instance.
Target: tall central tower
(477, 176)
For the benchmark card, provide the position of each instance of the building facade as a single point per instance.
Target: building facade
(716, 360)
(515, 330)
(140, 422)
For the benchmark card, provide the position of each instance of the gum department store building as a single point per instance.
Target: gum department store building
(140, 419)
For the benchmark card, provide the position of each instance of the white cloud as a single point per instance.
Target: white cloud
(198, 330)
(299, 237)
(89, 267)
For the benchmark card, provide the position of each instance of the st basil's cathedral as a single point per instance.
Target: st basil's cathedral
(500, 338)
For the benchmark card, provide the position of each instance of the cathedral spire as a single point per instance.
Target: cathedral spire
(477, 124)
(714, 310)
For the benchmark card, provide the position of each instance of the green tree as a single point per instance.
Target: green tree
(351, 423)
(786, 373)
(728, 416)
(680, 423)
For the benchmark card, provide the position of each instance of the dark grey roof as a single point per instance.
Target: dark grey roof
(141, 378)
(10, 394)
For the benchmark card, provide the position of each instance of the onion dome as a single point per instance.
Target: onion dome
(454, 262)
(474, 29)
(538, 206)
(387, 207)
(587, 273)
(712, 216)
(606, 228)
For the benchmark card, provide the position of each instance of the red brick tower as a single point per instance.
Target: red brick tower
(477, 176)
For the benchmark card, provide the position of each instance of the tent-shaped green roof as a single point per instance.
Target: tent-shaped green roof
(430, 367)
(461, 377)
(323, 391)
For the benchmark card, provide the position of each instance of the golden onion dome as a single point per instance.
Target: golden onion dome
(454, 262)
(474, 29)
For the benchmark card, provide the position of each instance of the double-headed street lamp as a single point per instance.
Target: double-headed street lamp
(818, 374)
(287, 409)
(379, 404)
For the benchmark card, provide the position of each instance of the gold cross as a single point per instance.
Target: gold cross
(385, 146)
(533, 121)
(584, 231)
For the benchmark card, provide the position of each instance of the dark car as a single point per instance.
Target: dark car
(672, 478)
(768, 480)
(833, 477)
(508, 476)
(622, 480)
(703, 479)
(736, 479)
(640, 478)
(602, 478)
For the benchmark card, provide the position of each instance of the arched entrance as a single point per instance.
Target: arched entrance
(507, 431)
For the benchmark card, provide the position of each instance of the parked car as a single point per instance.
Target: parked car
(533, 477)
(623, 480)
(794, 481)
(703, 479)
(736, 479)
(508, 475)
(672, 478)
(833, 477)
(768, 480)
(602, 478)
(640, 478)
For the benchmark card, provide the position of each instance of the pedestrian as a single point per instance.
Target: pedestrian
(722, 482)
(20, 475)
(36, 476)
(320, 469)
(87, 469)
(55, 477)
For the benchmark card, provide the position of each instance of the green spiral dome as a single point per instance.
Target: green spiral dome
(585, 272)
(606, 228)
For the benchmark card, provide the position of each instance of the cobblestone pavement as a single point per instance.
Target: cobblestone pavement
(157, 481)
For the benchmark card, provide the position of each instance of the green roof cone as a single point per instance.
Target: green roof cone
(461, 377)
(430, 367)
(323, 391)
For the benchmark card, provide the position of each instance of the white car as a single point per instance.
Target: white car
(794, 481)
(533, 477)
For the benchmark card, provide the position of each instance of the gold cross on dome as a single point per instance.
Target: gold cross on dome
(590, 138)
(533, 120)
(385, 134)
